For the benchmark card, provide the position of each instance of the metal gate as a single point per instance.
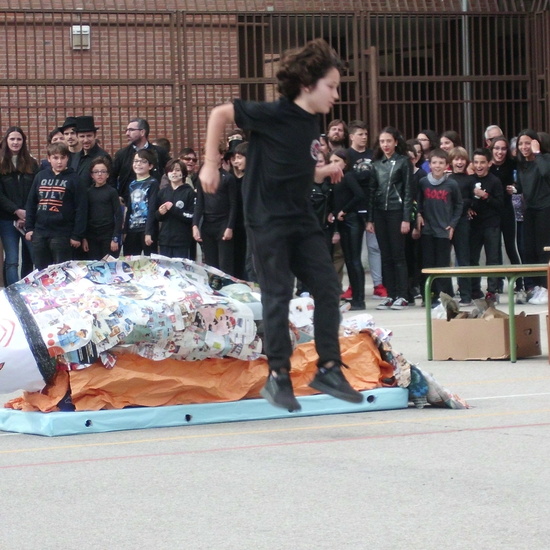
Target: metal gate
(415, 69)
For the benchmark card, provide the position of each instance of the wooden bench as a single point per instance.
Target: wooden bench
(510, 272)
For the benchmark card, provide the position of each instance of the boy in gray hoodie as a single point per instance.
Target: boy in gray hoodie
(439, 209)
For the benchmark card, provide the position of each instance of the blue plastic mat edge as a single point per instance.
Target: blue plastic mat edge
(138, 418)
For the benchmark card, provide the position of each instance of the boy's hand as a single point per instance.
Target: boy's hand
(197, 234)
(405, 227)
(148, 240)
(331, 171)
(114, 246)
(451, 232)
(85, 245)
(209, 177)
(511, 189)
(28, 235)
(74, 243)
(481, 193)
(163, 208)
(370, 227)
(227, 234)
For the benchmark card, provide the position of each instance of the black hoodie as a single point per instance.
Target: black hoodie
(57, 205)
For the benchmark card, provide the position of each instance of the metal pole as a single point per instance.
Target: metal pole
(467, 85)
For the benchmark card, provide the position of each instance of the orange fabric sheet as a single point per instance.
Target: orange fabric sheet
(138, 381)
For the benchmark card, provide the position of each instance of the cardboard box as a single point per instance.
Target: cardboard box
(462, 339)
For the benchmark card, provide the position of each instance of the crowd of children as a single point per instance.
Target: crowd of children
(427, 197)
(80, 204)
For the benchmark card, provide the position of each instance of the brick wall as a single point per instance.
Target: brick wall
(139, 64)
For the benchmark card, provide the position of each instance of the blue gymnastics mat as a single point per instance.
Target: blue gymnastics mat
(139, 418)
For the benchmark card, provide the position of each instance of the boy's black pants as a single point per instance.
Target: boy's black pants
(436, 252)
(487, 238)
(283, 250)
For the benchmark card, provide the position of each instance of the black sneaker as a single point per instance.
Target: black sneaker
(332, 381)
(278, 391)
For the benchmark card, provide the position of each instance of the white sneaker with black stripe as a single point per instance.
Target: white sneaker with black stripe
(386, 303)
(400, 303)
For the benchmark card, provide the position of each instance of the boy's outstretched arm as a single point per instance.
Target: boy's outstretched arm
(220, 117)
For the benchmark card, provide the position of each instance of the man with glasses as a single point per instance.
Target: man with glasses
(137, 134)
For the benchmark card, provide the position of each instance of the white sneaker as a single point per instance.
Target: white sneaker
(400, 303)
(534, 293)
(540, 297)
(386, 303)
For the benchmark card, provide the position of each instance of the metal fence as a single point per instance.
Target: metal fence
(413, 69)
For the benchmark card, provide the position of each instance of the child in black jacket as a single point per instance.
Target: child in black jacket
(174, 208)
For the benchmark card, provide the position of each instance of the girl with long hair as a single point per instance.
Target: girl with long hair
(17, 171)
(534, 178)
(389, 213)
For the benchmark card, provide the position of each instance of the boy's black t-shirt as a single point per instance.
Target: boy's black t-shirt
(361, 163)
(488, 211)
(104, 212)
(280, 162)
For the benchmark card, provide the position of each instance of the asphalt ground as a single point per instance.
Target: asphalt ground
(389, 480)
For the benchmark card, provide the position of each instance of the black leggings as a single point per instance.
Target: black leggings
(387, 226)
(351, 239)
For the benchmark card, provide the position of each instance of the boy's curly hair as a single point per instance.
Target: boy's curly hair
(305, 66)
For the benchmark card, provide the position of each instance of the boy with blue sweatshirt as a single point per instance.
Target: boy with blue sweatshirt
(56, 210)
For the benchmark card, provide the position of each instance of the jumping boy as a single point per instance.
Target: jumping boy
(285, 236)
(56, 208)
